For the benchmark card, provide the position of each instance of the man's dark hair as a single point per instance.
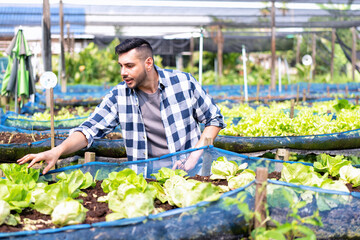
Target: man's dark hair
(131, 43)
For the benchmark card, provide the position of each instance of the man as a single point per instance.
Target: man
(158, 111)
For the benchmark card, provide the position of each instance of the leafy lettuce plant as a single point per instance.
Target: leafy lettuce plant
(125, 176)
(182, 193)
(129, 195)
(332, 165)
(301, 174)
(165, 173)
(47, 197)
(237, 176)
(21, 174)
(350, 174)
(16, 195)
(68, 212)
(5, 216)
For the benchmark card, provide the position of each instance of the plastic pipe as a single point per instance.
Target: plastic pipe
(245, 74)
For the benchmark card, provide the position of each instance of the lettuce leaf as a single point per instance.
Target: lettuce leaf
(350, 174)
(68, 212)
(165, 173)
(242, 179)
(332, 165)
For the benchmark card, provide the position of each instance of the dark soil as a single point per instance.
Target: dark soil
(10, 138)
(97, 210)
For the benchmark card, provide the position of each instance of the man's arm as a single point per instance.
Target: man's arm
(73, 143)
(190, 162)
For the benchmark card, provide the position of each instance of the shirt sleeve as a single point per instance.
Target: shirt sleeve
(102, 121)
(205, 109)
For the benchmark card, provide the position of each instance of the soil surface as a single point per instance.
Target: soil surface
(97, 211)
(10, 138)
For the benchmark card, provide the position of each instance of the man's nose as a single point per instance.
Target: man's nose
(123, 71)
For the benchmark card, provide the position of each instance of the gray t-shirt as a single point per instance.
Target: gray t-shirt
(155, 131)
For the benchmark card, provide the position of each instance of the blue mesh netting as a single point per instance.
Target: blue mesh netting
(92, 95)
(11, 119)
(211, 220)
(102, 147)
(116, 148)
(291, 89)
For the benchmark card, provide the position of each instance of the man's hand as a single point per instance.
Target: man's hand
(189, 163)
(50, 157)
(73, 143)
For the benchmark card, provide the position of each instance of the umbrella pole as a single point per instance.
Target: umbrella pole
(16, 98)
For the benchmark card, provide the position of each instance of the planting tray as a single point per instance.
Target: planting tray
(210, 220)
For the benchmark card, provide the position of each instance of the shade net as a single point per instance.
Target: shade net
(11, 119)
(210, 220)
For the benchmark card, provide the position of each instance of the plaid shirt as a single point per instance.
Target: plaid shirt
(183, 104)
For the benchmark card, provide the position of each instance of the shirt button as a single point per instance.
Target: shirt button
(144, 153)
(144, 137)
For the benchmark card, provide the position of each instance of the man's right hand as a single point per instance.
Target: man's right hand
(73, 143)
(50, 157)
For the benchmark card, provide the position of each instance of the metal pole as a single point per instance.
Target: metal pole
(287, 70)
(46, 43)
(245, 74)
(273, 47)
(201, 43)
(353, 52)
(333, 36)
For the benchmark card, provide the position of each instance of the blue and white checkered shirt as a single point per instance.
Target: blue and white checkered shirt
(183, 104)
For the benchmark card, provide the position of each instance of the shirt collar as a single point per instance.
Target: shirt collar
(162, 79)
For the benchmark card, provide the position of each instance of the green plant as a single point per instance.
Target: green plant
(294, 227)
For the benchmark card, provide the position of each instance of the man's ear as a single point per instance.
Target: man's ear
(149, 63)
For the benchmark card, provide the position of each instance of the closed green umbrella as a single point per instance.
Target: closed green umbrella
(18, 79)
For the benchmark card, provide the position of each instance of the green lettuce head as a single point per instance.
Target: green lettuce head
(68, 212)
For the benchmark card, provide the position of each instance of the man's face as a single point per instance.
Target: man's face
(132, 69)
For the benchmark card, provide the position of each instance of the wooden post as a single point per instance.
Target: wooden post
(89, 157)
(281, 154)
(2, 174)
(260, 196)
(297, 94)
(207, 159)
(332, 54)
(292, 108)
(328, 91)
(353, 52)
(346, 91)
(304, 95)
(52, 127)
(357, 100)
(273, 46)
(257, 91)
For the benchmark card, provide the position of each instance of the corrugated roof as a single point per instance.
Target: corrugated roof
(11, 17)
(132, 13)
